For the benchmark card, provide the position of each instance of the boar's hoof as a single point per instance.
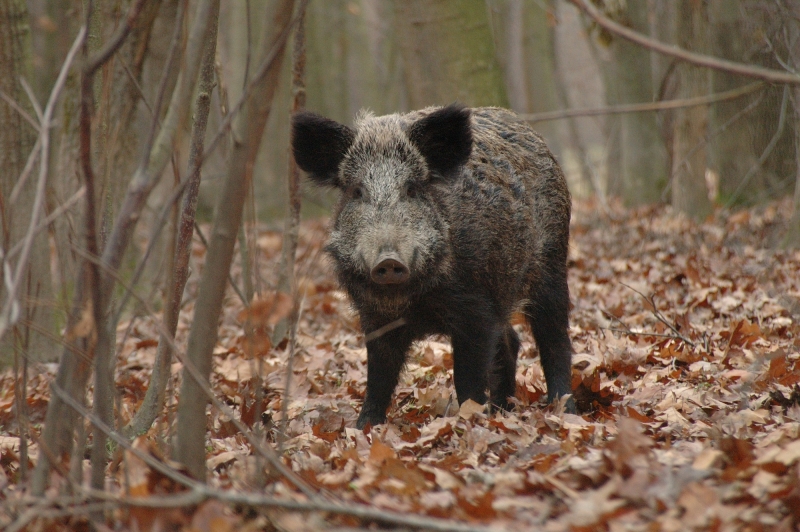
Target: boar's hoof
(389, 270)
(370, 418)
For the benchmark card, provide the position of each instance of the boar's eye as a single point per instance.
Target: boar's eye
(356, 192)
(412, 190)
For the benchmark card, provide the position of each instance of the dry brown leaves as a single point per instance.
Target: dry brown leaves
(686, 370)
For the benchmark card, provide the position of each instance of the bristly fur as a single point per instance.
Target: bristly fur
(473, 202)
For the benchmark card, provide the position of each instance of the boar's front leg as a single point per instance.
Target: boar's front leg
(386, 356)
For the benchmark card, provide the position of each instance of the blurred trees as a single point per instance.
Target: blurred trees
(448, 53)
(733, 150)
(18, 191)
(525, 48)
(628, 79)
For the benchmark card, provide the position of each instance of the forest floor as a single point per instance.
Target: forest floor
(686, 372)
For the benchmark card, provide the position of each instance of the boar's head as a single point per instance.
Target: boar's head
(389, 239)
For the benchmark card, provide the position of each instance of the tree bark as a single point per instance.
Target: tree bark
(247, 132)
(689, 191)
(644, 161)
(792, 238)
(448, 53)
(33, 336)
(732, 152)
(525, 38)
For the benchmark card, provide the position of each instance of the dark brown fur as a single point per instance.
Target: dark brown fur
(474, 202)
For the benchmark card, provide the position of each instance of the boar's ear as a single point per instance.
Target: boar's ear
(319, 145)
(444, 138)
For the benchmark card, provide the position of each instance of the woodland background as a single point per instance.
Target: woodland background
(154, 261)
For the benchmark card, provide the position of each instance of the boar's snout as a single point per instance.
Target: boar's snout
(389, 269)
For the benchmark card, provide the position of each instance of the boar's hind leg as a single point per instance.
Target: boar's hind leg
(548, 315)
(503, 381)
(473, 348)
(385, 359)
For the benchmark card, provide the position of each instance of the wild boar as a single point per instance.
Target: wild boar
(450, 219)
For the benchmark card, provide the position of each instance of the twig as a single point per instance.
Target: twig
(137, 86)
(102, 403)
(247, 133)
(61, 209)
(23, 177)
(266, 452)
(39, 512)
(643, 107)
(631, 332)
(32, 97)
(231, 280)
(363, 512)
(766, 74)
(122, 441)
(380, 331)
(169, 64)
(201, 492)
(660, 317)
(708, 138)
(23, 113)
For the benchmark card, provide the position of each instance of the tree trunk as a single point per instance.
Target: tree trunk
(644, 158)
(36, 328)
(689, 191)
(792, 238)
(247, 131)
(448, 54)
(792, 35)
(732, 151)
(525, 38)
(539, 52)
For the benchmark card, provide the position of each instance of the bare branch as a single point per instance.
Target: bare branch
(23, 113)
(644, 107)
(61, 209)
(750, 71)
(23, 178)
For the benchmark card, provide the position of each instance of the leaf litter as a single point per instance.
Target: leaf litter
(686, 374)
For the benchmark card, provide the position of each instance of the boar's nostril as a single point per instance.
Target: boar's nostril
(389, 270)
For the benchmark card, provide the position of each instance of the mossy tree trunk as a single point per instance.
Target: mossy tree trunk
(448, 53)
(644, 156)
(732, 151)
(33, 336)
(689, 191)
(526, 42)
